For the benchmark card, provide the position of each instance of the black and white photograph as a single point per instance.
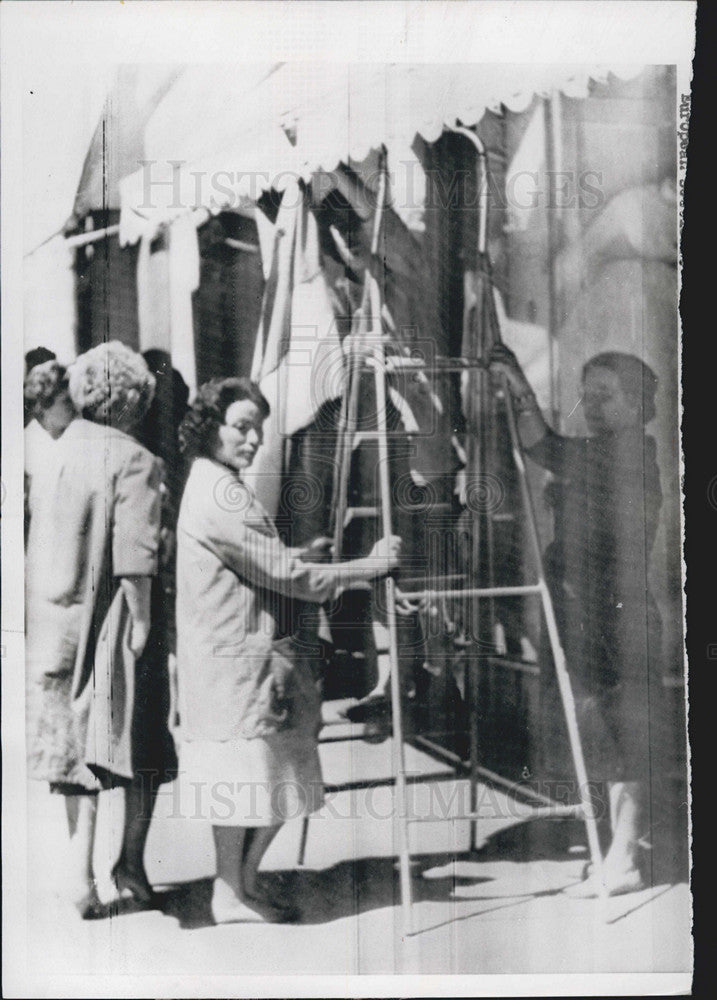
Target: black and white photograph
(343, 609)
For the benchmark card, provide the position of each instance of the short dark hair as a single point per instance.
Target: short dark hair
(198, 430)
(637, 380)
(38, 356)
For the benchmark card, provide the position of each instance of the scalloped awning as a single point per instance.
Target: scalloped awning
(223, 134)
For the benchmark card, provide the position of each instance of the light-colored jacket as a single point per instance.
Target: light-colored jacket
(94, 519)
(232, 570)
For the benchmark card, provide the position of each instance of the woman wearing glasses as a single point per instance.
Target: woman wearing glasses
(250, 703)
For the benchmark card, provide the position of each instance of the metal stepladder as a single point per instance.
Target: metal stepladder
(369, 349)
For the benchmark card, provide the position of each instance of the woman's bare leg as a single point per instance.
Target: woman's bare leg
(229, 846)
(228, 900)
(82, 823)
(626, 809)
(239, 853)
(256, 844)
(72, 809)
(620, 869)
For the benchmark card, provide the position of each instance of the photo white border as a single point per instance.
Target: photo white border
(92, 33)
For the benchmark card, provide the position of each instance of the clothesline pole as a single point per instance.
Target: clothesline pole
(94, 236)
(478, 417)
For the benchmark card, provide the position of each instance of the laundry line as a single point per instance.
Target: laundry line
(95, 235)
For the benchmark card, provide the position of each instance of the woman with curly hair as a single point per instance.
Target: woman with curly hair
(33, 358)
(250, 701)
(49, 410)
(95, 702)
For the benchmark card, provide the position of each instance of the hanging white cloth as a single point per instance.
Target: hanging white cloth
(298, 361)
(167, 275)
(183, 282)
(153, 312)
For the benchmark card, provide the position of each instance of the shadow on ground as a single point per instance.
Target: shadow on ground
(664, 862)
(358, 886)
(343, 890)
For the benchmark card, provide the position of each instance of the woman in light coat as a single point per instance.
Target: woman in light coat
(250, 702)
(94, 705)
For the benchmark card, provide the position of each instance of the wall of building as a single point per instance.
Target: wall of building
(612, 227)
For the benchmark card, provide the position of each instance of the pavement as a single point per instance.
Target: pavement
(498, 909)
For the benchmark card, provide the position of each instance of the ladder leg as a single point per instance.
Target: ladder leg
(561, 669)
(302, 842)
(399, 753)
(571, 719)
(399, 763)
(472, 685)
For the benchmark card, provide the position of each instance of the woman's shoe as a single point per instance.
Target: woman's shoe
(89, 905)
(639, 865)
(137, 886)
(614, 885)
(228, 908)
(377, 730)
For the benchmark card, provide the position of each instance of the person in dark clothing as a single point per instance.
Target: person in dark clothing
(607, 500)
(159, 433)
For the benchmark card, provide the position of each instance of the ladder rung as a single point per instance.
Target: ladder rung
(360, 436)
(422, 579)
(538, 812)
(359, 785)
(510, 663)
(340, 739)
(370, 511)
(435, 507)
(352, 512)
(535, 588)
(437, 364)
